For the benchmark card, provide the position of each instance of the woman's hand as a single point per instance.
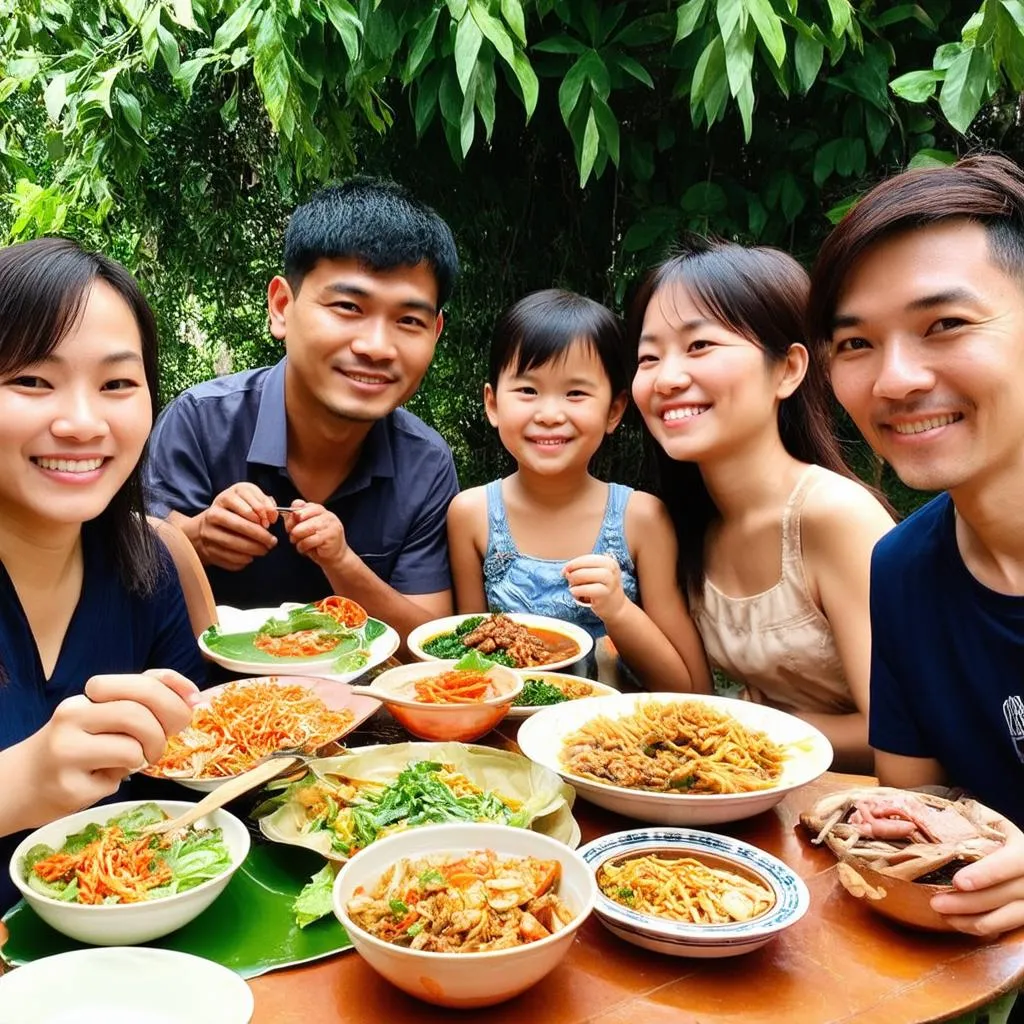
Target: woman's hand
(990, 893)
(93, 742)
(596, 580)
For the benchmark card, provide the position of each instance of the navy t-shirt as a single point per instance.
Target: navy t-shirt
(393, 504)
(111, 631)
(947, 661)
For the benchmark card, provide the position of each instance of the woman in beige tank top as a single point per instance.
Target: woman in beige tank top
(775, 533)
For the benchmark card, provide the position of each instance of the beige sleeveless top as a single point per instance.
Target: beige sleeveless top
(778, 642)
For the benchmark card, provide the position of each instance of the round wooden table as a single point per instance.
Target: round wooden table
(842, 962)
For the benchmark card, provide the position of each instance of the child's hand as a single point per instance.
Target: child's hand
(596, 580)
(316, 533)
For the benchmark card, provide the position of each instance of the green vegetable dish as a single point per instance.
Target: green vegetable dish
(116, 863)
(449, 646)
(543, 692)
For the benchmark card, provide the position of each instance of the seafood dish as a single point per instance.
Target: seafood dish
(246, 722)
(684, 888)
(117, 862)
(678, 747)
(503, 640)
(475, 902)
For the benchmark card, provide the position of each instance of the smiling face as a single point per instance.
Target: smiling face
(553, 417)
(358, 340)
(73, 426)
(927, 356)
(705, 391)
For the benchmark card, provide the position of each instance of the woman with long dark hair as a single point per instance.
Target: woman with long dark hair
(775, 533)
(95, 642)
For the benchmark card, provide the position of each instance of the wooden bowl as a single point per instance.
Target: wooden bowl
(895, 898)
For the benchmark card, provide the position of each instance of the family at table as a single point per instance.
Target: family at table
(761, 555)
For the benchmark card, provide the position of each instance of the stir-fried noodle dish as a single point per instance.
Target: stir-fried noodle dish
(684, 889)
(471, 903)
(680, 747)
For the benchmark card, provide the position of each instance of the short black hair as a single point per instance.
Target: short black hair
(44, 286)
(375, 222)
(541, 328)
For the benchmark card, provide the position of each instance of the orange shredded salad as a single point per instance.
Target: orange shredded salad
(342, 610)
(297, 645)
(246, 722)
(457, 686)
(111, 865)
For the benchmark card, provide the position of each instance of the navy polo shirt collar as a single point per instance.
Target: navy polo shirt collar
(269, 445)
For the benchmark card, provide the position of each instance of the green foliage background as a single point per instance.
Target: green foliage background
(567, 142)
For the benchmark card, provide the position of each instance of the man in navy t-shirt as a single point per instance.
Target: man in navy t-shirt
(367, 269)
(919, 296)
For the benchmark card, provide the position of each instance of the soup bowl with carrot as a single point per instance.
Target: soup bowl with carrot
(448, 700)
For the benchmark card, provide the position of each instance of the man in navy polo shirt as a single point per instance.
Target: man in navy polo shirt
(367, 270)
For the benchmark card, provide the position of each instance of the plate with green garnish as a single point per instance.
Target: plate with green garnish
(542, 689)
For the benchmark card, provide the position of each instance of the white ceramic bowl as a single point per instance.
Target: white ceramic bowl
(557, 679)
(428, 630)
(126, 924)
(244, 620)
(678, 938)
(541, 737)
(441, 722)
(465, 980)
(120, 985)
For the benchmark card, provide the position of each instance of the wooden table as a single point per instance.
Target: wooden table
(842, 962)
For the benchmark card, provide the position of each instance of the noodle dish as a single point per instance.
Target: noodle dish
(677, 759)
(690, 893)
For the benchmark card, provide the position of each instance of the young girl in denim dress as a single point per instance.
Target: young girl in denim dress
(551, 539)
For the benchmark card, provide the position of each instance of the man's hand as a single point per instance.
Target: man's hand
(96, 739)
(990, 896)
(317, 534)
(596, 580)
(234, 529)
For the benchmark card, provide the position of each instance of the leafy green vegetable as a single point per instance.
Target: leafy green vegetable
(316, 899)
(414, 929)
(373, 629)
(430, 878)
(398, 908)
(303, 618)
(450, 645)
(537, 692)
(474, 661)
(626, 895)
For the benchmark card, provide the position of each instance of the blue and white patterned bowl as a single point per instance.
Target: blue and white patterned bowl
(677, 938)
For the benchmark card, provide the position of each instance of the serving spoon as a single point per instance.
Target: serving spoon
(270, 767)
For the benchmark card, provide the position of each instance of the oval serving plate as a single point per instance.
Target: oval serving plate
(678, 938)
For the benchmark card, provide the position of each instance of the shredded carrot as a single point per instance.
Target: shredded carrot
(457, 686)
(301, 644)
(343, 610)
(111, 865)
(246, 722)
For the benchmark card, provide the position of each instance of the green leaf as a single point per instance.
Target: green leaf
(181, 12)
(235, 25)
(560, 44)
(148, 32)
(878, 126)
(840, 210)
(229, 109)
(916, 86)
(468, 39)
(807, 57)
(739, 58)
(842, 16)
(932, 158)
(769, 28)
(757, 215)
(792, 196)
(457, 9)
(964, 87)
(705, 198)
(133, 9)
(572, 85)
(486, 87)
(904, 12)
(270, 68)
(420, 46)
(745, 102)
(654, 225)
(588, 151)
(493, 30)
(131, 108)
(426, 105)
(342, 15)
(188, 72)
(607, 125)
(467, 121)
(168, 49)
(102, 90)
(709, 78)
(688, 16)
(634, 68)
(55, 96)
(512, 12)
(732, 17)
(528, 84)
